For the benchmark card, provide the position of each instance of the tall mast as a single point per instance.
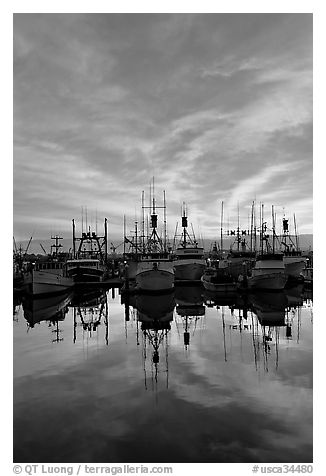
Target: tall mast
(251, 225)
(296, 233)
(261, 228)
(73, 239)
(153, 198)
(106, 238)
(222, 226)
(238, 229)
(164, 218)
(143, 220)
(124, 236)
(273, 222)
(136, 238)
(184, 220)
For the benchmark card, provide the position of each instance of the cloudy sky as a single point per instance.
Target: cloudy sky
(215, 106)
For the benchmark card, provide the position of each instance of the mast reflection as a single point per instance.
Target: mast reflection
(90, 310)
(154, 314)
(189, 309)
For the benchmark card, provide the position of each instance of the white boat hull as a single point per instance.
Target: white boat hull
(190, 270)
(154, 275)
(42, 282)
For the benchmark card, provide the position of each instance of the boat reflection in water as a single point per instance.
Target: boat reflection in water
(189, 309)
(192, 372)
(269, 308)
(268, 317)
(51, 308)
(154, 313)
(90, 310)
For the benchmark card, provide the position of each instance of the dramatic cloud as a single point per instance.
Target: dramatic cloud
(215, 106)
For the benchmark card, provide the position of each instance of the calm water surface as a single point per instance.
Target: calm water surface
(183, 377)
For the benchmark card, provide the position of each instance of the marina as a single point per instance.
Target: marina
(163, 241)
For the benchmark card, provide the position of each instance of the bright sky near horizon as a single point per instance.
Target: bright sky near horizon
(215, 106)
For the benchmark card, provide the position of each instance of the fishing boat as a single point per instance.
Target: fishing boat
(268, 272)
(241, 257)
(294, 261)
(155, 271)
(89, 261)
(189, 258)
(19, 266)
(219, 279)
(49, 276)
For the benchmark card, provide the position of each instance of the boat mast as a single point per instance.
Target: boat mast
(273, 225)
(184, 224)
(73, 239)
(296, 233)
(251, 225)
(164, 218)
(105, 238)
(124, 236)
(222, 227)
(143, 221)
(261, 228)
(238, 230)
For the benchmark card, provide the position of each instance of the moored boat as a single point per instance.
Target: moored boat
(294, 261)
(218, 279)
(49, 276)
(89, 261)
(189, 258)
(268, 272)
(155, 271)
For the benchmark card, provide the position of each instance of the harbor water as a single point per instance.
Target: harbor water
(185, 376)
